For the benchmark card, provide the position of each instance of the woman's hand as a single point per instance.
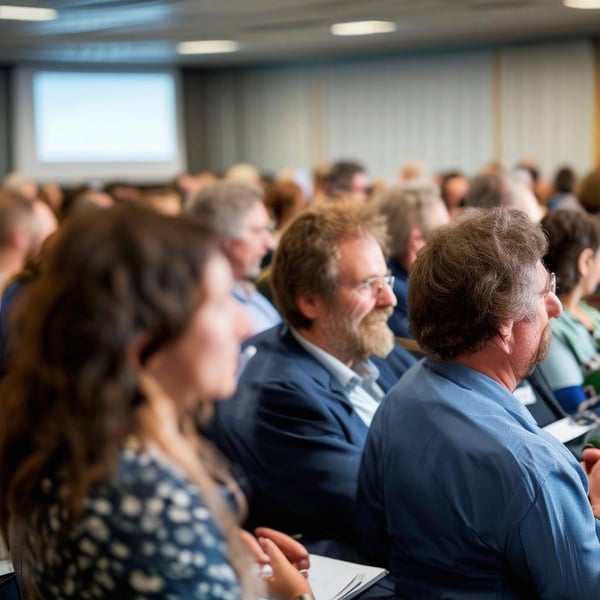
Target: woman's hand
(591, 465)
(286, 582)
(294, 551)
(285, 562)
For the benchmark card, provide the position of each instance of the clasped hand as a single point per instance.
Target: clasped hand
(288, 559)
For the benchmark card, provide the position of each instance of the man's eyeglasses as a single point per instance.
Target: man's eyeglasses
(551, 283)
(371, 286)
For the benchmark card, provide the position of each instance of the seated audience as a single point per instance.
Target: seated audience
(573, 363)
(107, 493)
(19, 183)
(453, 189)
(84, 199)
(166, 200)
(244, 173)
(413, 211)
(18, 233)
(236, 211)
(563, 191)
(309, 387)
(460, 493)
(348, 179)
(589, 191)
(491, 190)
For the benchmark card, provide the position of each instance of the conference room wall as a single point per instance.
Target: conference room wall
(453, 109)
(5, 134)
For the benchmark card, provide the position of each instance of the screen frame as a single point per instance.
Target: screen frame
(78, 173)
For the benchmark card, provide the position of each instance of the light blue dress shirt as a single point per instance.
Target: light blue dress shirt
(461, 495)
(359, 382)
(261, 313)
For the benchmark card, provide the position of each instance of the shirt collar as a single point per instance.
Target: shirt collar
(363, 373)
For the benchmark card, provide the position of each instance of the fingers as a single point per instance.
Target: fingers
(254, 546)
(293, 550)
(286, 581)
(590, 456)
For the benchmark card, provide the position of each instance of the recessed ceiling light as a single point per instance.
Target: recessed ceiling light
(362, 27)
(27, 13)
(582, 3)
(207, 47)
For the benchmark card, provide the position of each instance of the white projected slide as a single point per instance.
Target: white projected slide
(74, 125)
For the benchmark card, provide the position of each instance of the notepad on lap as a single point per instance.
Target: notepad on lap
(333, 579)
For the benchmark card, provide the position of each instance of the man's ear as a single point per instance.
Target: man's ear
(20, 239)
(309, 306)
(416, 240)
(504, 339)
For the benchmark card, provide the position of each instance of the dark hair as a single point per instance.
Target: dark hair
(110, 278)
(564, 180)
(486, 191)
(589, 191)
(339, 178)
(569, 234)
(474, 275)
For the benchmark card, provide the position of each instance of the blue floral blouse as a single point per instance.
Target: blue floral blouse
(146, 534)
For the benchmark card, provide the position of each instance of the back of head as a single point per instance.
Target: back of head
(223, 207)
(284, 200)
(413, 205)
(569, 234)
(589, 191)
(305, 262)
(243, 173)
(339, 177)
(564, 181)
(15, 211)
(486, 191)
(474, 275)
(114, 278)
(19, 183)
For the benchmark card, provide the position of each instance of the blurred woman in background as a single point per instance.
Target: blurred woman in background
(107, 491)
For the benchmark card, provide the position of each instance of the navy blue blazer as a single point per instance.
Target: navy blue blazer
(294, 433)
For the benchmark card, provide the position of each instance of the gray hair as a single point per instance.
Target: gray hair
(223, 207)
(406, 207)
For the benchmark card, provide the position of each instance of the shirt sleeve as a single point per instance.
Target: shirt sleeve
(556, 544)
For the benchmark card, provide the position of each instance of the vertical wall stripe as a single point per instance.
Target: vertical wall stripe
(596, 121)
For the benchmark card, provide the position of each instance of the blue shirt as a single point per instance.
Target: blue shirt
(261, 313)
(461, 495)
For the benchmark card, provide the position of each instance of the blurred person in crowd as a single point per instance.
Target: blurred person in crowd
(348, 179)
(453, 189)
(129, 331)
(563, 191)
(238, 214)
(166, 200)
(589, 191)
(413, 212)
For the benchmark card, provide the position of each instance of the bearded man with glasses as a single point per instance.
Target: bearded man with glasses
(309, 388)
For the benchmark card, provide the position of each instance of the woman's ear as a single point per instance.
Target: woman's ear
(585, 262)
(135, 349)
